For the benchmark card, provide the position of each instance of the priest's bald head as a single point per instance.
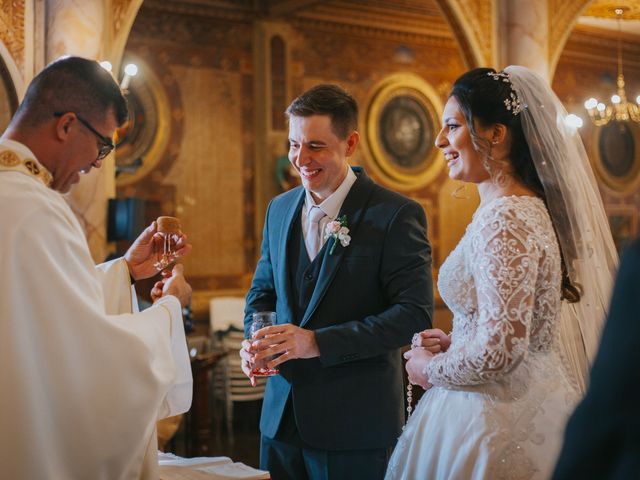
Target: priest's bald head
(68, 117)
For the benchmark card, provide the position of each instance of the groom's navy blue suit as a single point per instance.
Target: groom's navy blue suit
(364, 301)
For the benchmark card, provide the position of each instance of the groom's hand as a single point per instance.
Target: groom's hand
(286, 341)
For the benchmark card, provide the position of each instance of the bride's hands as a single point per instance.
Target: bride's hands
(435, 340)
(417, 360)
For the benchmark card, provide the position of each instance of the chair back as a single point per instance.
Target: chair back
(238, 387)
(226, 312)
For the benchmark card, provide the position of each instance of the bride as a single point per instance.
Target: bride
(528, 284)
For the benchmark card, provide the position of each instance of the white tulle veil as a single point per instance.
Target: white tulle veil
(577, 212)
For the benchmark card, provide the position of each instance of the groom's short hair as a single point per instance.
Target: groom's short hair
(328, 99)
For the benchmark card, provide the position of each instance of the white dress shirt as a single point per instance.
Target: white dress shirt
(330, 206)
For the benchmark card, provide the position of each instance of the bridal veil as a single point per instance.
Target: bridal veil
(577, 212)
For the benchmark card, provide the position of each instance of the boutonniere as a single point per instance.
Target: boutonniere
(337, 229)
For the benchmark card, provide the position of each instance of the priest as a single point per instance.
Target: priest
(84, 376)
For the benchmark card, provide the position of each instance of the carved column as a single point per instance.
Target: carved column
(72, 30)
(523, 28)
(271, 130)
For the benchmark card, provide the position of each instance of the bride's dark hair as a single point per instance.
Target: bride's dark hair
(483, 101)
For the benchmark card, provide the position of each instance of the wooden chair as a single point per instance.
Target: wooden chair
(230, 384)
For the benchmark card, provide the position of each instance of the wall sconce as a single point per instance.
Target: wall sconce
(130, 70)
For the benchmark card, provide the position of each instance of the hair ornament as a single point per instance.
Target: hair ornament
(513, 103)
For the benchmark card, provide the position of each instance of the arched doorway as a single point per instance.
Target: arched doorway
(8, 97)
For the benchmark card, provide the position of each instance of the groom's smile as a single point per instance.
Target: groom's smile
(318, 154)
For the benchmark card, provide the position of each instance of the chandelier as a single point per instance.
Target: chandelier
(620, 109)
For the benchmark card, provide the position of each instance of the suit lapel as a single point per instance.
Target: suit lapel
(285, 234)
(353, 207)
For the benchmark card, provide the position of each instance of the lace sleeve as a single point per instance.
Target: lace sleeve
(503, 260)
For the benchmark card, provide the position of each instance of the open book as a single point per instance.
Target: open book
(173, 467)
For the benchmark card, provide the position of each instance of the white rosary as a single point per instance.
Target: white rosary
(415, 343)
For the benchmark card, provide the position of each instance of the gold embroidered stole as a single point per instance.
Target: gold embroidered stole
(11, 161)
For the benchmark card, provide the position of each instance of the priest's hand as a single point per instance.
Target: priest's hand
(177, 286)
(156, 291)
(143, 253)
(287, 341)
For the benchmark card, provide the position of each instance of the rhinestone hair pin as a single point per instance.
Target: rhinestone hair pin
(512, 103)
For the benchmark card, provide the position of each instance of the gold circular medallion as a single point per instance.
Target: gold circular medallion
(9, 159)
(402, 120)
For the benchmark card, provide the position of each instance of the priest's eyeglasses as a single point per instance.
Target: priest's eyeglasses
(105, 144)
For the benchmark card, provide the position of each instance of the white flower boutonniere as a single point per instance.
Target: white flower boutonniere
(337, 229)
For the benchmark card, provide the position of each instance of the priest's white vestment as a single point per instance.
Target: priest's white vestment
(83, 379)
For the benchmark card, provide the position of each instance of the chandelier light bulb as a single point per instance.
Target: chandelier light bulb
(615, 99)
(591, 103)
(106, 65)
(573, 121)
(638, 99)
(601, 107)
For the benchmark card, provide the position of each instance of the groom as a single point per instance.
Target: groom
(344, 306)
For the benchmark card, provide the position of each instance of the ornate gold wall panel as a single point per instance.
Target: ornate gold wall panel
(205, 174)
(12, 29)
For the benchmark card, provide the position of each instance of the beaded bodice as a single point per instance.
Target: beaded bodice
(502, 282)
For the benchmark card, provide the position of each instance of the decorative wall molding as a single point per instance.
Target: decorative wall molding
(591, 46)
(606, 9)
(120, 12)
(563, 15)
(465, 28)
(403, 105)
(225, 10)
(387, 19)
(376, 32)
(480, 15)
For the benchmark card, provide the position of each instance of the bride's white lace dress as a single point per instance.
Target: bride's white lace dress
(500, 397)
